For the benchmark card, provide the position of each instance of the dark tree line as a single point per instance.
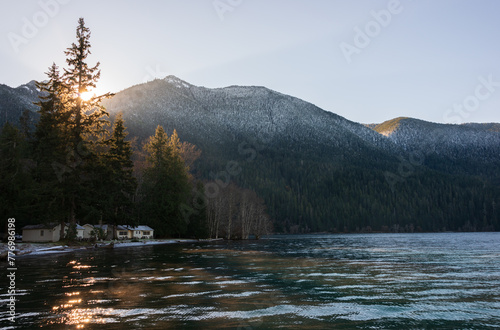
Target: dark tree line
(311, 196)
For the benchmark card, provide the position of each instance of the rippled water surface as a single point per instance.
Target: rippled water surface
(376, 281)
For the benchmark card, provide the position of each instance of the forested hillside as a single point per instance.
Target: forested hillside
(317, 171)
(320, 172)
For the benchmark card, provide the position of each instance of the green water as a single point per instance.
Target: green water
(377, 281)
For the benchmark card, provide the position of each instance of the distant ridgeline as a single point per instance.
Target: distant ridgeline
(15, 101)
(315, 170)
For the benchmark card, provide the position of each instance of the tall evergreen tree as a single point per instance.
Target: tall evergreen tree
(69, 138)
(120, 185)
(86, 123)
(50, 148)
(15, 179)
(166, 186)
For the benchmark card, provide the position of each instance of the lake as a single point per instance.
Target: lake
(372, 281)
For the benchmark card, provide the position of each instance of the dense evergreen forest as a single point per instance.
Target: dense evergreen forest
(314, 194)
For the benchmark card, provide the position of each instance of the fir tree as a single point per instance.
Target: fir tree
(166, 185)
(16, 195)
(50, 148)
(120, 185)
(86, 124)
(69, 139)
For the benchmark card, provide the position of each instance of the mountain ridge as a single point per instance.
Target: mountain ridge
(171, 79)
(318, 171)
(240, 111)
(446, 139)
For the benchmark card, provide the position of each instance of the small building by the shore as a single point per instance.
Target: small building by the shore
(87, 230)
(122, 232)
(142, 232)
(50, 232)
(130, 232)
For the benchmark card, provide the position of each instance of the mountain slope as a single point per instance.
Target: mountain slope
(238, 113)
(468, 148)
(318, 171)
(412, 134)
(13, 101)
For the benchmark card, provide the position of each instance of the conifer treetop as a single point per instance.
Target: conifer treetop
(79, 72)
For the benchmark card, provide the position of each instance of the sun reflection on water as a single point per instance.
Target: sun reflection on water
(71, 313)
(80, 317)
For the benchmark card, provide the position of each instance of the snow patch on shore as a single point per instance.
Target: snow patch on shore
(23, 249)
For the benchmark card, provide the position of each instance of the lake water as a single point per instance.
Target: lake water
(375, 281)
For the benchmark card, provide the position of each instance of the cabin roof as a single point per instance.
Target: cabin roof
(47, 226)
(41, 226)
(142, 228)
(77, 226)
(103, 227)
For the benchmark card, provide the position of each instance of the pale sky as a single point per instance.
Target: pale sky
(366, 60)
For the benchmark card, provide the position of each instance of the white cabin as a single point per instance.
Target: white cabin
(42, 233)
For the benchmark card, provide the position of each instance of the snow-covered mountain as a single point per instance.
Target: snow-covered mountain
(445, 139)
(223, 115)
(13, 101)
(228, 116)
(467, 148)
(317, 170)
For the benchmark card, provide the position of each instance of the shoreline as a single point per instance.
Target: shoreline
(47, 248)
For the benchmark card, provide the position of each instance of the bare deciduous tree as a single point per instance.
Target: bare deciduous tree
(237, 213)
